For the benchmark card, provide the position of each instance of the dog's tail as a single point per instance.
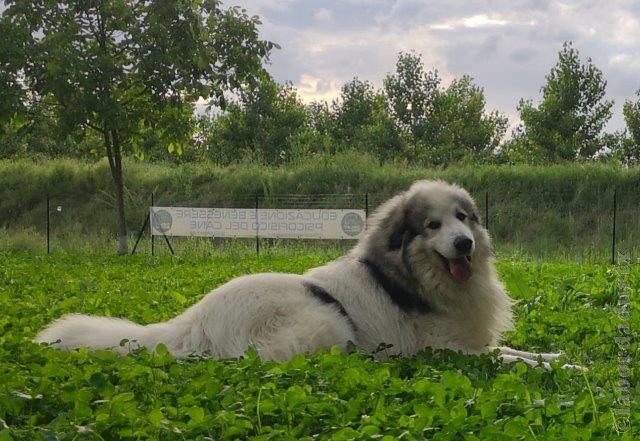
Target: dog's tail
(76, 330)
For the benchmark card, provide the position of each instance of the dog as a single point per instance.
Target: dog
(421, 276)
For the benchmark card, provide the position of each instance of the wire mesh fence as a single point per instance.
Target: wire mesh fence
(591, 225)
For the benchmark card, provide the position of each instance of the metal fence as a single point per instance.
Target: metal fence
(584, 226)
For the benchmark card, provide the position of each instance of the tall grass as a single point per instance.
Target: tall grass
(561, 208)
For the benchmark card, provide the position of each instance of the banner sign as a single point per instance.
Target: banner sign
(261, 222)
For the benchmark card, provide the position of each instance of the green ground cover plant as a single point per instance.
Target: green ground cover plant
(98, 395)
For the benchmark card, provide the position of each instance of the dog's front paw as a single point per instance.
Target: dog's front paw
(575, 366)
(510, 355)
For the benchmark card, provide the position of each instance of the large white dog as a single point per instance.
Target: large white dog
(422, 275)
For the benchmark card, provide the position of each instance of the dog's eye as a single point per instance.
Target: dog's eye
(461, 216)
(434, 225)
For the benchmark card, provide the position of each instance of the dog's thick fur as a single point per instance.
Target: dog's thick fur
(408, 282)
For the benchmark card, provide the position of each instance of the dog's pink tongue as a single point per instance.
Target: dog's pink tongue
(460, 269)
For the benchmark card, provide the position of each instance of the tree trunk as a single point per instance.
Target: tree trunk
(114, 155)
(123, 247)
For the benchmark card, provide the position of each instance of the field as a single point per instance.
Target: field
(46, 394)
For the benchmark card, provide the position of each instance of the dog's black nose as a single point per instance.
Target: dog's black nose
(462, 244)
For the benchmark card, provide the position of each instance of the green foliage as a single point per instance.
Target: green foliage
(459, 126)
(446, 125)
(534, 210)
(356, 107)
(361, 122)
(128, 70)
(48, 394)
(627, 144)
(262, 126)
(35, 133)
(568, 122)
(412, 118)
(411, 93)
(13, 53)
(631, 111)
(129, 67)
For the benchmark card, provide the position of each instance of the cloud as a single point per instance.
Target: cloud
(312, 88)
(507, 46)
(625, 61)
(322, 14)
(478, 21)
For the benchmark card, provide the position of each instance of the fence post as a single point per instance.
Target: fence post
(613, 230)
(486, 210)
(366, 205)
(144, 225)
(151, 227)
(257, 229)
(48, 225)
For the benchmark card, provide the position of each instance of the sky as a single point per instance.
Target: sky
(507, 46)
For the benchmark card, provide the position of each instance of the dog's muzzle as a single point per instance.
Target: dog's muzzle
(459, 268)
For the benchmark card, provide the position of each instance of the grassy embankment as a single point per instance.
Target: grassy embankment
(562, 210)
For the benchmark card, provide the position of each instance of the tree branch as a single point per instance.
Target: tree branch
(94, 127)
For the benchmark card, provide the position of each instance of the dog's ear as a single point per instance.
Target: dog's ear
(414, 217)
(407, 228)
(403, 219)
(396, 238)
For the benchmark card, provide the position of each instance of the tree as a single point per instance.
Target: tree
(261, 125)
(12, 57)
(624, 145)
(124, 67)
(361, 120)
(460, 126)
(320, 117)
(411, 93)
(33, 132)
(446, 124)
(354, 108)
(568, 122)
(631, 111)
(13, 117)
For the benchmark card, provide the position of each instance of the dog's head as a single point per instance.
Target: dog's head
(434, 227)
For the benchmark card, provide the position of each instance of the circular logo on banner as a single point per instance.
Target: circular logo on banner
(352, 224)
(162, 220)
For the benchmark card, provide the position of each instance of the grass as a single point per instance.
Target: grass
(538, 210)
(46, 394)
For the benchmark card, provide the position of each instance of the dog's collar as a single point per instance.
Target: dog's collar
(401, 297)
